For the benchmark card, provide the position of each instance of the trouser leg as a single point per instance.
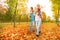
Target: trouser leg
(31, 26)
(37, 28)
(38, 23)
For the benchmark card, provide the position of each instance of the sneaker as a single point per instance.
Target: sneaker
(39, 31)
(37, 35)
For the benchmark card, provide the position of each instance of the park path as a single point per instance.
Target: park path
(49, 31)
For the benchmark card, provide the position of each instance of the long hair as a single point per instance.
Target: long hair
(38, 8)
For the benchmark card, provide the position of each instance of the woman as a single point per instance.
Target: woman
(38, 19)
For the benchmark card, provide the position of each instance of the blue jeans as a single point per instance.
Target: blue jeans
(38, 24)
(31, 24)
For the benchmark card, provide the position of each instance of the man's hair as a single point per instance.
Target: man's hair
(31, 7)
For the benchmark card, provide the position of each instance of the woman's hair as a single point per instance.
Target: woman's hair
(38, 7)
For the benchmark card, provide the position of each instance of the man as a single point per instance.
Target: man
(32, 18)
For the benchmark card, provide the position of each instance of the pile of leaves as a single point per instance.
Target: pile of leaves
(49, 31)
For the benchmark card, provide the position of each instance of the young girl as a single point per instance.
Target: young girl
(38, 23)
